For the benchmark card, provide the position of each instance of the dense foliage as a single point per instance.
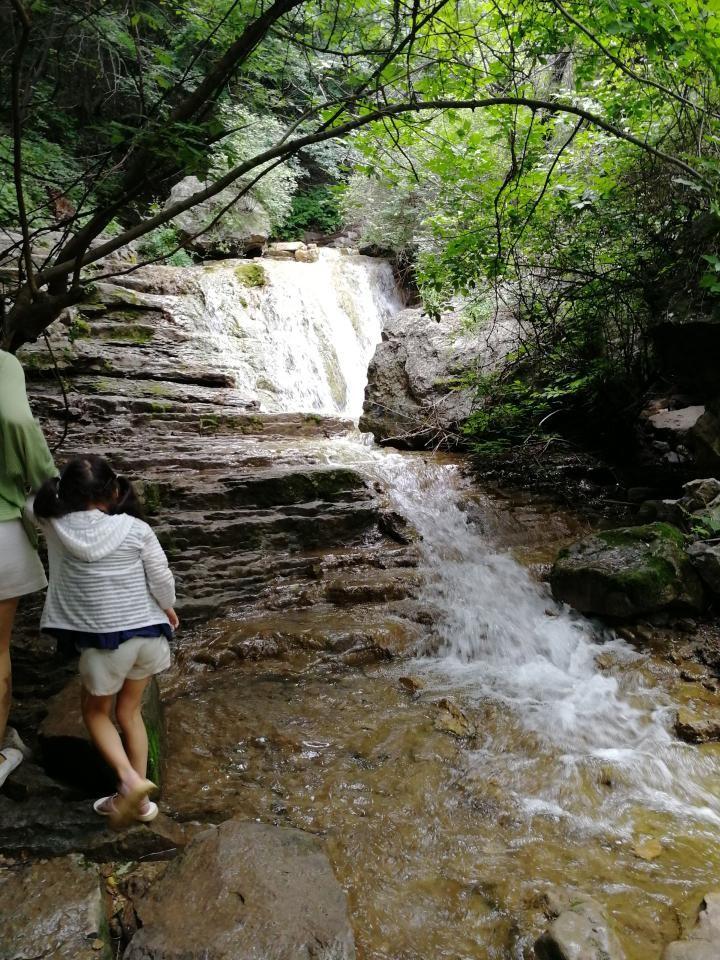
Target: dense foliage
(534, 158)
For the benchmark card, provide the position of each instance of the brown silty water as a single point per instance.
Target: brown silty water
(528, 750)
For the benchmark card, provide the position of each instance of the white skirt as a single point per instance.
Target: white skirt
(21, 571)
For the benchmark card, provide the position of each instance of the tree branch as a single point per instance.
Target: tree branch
(17, 121)
(291, 147)
(621, 65)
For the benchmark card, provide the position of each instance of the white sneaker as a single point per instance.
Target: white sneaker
(14, 740)
(10, 759)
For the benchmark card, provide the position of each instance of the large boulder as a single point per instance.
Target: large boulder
(52, 909)
(579, 932)
(705, 557)
(703, 941)
(698, 494)
(628, 572)
(698, 722)
(242, 891)
(244, 228)
(413, 397)
(703, 439)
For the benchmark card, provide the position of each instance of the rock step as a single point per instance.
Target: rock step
(380, 631)
(301, 525)
(53, 909)
(100, 387)
(279, 488)
(245, 890)
(52, 826)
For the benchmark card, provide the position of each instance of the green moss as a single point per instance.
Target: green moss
(78, 329)
(629, 536)
(133, 333)
(154, 767)
(251, 275)
(210, 423)
(152, 498)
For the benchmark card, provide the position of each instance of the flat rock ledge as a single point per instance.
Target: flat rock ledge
(243, 891)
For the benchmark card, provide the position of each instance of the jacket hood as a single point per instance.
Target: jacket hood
(92, 534)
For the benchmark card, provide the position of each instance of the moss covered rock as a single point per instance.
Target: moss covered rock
(251, 274)
(628, 572)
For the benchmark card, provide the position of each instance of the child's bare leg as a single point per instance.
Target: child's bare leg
(128, 712)
(7, 616)
(96, 714)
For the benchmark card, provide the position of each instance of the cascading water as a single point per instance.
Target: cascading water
(502, 639)
(302, 341)
(444, 847)
(295, 336)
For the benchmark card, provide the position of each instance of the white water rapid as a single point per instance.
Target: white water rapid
(301, 340)
(563, 727)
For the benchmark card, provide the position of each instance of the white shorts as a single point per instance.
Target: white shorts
(103, 672)
(21, 571)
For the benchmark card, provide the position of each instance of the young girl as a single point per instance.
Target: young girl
(112, 594)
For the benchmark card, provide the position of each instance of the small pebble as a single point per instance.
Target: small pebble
(648, 849)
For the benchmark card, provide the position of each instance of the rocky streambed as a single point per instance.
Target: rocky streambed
(381, 735)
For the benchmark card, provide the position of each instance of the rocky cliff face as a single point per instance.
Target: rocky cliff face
(414, 397)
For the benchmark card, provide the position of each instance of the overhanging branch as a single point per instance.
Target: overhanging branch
(291, 147)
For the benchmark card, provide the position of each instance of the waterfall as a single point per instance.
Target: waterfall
(302, 339)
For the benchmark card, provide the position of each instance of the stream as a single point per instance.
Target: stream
(446, 846)
(463, 744)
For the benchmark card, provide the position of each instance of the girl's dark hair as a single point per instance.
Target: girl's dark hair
(83, 482)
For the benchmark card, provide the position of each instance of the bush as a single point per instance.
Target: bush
(161, 244)
(317, 209)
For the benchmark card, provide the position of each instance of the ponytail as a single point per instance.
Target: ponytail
(127, 499)
(48, 502)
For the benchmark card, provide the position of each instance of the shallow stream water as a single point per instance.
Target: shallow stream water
(446, 845)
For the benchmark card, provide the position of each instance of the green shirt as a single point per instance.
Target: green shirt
(25, 460)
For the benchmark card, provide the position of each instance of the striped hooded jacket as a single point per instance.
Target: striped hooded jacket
(107, 573)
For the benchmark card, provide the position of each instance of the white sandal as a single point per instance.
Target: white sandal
(10, 759)
(106, 808)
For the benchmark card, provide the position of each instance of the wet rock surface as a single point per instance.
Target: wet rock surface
(703, 941)
(45, 824)
(245, 890)
(52, 909)
(626, 572)
(578, 932)
(411, 397)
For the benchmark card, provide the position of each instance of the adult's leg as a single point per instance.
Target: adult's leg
(96, 714)
(128, 712)
(7, 617)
